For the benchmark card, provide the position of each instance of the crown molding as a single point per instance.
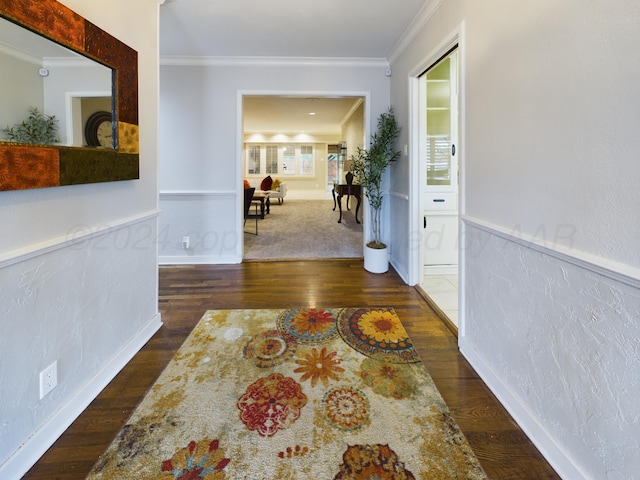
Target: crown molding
(414, 28)
(19, 54)
(347, 62)
(70, 62)
(75, 61)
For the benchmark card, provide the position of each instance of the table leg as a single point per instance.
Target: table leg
(357, 208)
(268, 205)
(333, 192)
(340, 207)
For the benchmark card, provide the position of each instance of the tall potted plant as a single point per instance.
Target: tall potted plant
(368, 166)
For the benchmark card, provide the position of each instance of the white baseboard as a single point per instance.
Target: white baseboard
(539, 436)
(28, 454)
(199, 260)
(404, 275)
(440, 270)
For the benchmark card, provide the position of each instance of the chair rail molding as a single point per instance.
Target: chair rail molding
(609, 268)
(75, 236)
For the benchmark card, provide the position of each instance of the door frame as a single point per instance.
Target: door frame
(416, 253)
(240, 94)
(73, 108)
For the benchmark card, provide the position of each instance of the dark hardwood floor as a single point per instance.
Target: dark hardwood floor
(186, 292)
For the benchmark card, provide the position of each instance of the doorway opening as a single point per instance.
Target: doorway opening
(438, 133)
(80, 106)
(302, 141)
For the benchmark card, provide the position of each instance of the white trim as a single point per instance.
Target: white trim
(240, 94)
(397, 266)
(68, 102)
(351, 111)
(240, 172)
(537, 433)
(440, 270)
(199, 260)
(456, 37)
(198, 193)
(346, 62)
(77, 234)
(20, 55)
(414, 28)
(72, 62)
(30, 451)
(602, 266)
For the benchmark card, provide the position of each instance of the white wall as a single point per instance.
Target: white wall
(550, 279)
(353, 132)
(73, 81)
(201, 145)
(20, 88)
(78, 271)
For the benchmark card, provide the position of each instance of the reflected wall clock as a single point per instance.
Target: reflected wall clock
(98, 130)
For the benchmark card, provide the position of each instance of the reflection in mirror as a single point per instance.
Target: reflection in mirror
(37, 72)
(27, 166)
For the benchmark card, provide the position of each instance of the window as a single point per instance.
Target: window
(275, 159)
(289, 160)
(253, 160)
(306, 160)
(272, 159)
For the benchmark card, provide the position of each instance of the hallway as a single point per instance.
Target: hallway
(187, 291)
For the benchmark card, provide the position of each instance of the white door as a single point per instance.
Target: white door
(438, 127)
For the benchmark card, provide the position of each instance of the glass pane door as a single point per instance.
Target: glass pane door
(441, 128)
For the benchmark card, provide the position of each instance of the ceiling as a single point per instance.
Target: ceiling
(285, 28)
(19, 42)
(293, 115)
(350, 30)
(346, 30)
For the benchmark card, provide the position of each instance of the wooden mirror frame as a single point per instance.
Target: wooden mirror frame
(24, 166)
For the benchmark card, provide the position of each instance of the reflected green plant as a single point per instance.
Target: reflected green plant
(38, 128)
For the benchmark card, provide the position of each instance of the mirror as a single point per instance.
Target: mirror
(63, 65)
(37, 72)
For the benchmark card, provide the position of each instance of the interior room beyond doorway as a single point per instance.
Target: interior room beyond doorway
(293, 139)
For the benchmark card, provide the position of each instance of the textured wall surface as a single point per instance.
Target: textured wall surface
(565, 339)
(78, 269)
(77, 305)
(548, 148)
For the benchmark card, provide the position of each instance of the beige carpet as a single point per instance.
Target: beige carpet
(305, 229)
(293, 395)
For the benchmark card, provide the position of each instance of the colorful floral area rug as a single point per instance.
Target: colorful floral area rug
(294, 394)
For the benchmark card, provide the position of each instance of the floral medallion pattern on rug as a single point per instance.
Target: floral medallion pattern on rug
(271, 403)
(270, 348)
(376, 330)
(316, 393)
(346, 408)
(310, 326)
(388, 378)
(198, 460)
(320, 365)
(372, 462)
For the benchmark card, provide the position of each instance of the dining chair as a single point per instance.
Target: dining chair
(248, 201)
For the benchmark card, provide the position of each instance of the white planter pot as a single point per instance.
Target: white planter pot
(376, 260)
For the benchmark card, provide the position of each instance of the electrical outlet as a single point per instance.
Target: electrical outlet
(185, 242)
(48, 379)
